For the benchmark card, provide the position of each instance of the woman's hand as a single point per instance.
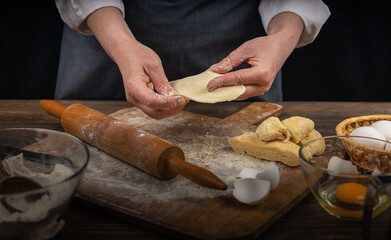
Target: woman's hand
(140, 66)
(266, 55)
(142, 73)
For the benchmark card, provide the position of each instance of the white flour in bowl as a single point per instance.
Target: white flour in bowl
(38, 210)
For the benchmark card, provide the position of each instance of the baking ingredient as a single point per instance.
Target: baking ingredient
(313, 148)
(251, 191)
(272, 129)
(254, 190)
(384, 127)
(370, 132)
(194, 88)
(352, 193)
(276, 146)
(340, 165)
(38, 210)
(376, 171)
(270, 174)
(204, 143)
(249, 144)
(249, 173)
(298, 127)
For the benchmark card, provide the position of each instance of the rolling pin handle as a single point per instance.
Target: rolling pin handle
(52, 107)
(195, 174)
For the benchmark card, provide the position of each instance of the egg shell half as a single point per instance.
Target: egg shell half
(270, 174)
(340, 165)
(376, 171)
(251, 191)
(249, 173)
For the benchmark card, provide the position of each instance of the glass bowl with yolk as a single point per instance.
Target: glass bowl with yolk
(340, 187)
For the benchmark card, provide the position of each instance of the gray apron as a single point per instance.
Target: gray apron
(188, 36)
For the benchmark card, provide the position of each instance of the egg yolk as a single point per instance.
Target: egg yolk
(352, 193)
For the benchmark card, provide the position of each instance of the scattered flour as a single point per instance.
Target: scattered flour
(204, 143)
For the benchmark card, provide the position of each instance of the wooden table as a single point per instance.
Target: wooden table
(307, 220)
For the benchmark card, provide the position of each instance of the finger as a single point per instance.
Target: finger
(240, 77)
(165, 89)
(160, 113)
(149, 98)
(150, 86)
(234, 59)
(159, 79)
(252, 91)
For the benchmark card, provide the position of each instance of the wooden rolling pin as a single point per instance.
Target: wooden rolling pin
(141, 149)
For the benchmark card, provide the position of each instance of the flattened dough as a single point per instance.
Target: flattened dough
(194, 88)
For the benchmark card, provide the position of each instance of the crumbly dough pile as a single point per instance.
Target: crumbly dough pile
(280, 141)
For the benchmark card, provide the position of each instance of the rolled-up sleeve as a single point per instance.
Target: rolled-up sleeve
(75, 12)
(314, 14)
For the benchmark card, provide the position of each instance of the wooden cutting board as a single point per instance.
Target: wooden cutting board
(179, 204)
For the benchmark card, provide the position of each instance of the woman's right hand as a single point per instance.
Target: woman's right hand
(142, 74)
(141, 68)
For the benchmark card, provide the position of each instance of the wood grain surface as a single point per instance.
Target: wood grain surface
(305, 221)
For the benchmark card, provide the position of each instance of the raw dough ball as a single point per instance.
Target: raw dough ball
(274, 140)
(314, 148)
(194, 88)
(299, 127)
(272, 129)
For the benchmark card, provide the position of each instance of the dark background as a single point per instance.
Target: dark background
(349, 60)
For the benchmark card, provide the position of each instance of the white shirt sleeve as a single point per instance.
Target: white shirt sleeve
(314, 14)
(75, 12)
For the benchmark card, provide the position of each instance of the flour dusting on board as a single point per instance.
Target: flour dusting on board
(204, 141)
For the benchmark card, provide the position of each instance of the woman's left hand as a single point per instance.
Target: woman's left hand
(266, 55)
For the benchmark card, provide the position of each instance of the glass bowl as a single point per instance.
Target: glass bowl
(344, 191)
(53, 160)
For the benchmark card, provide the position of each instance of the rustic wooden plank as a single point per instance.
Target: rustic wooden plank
(255, 113)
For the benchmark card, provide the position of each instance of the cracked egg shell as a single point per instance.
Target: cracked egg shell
(340, 165)
(270, 174)
(249, 173)
(251, 191)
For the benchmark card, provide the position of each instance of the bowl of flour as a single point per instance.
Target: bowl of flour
(56, 161)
